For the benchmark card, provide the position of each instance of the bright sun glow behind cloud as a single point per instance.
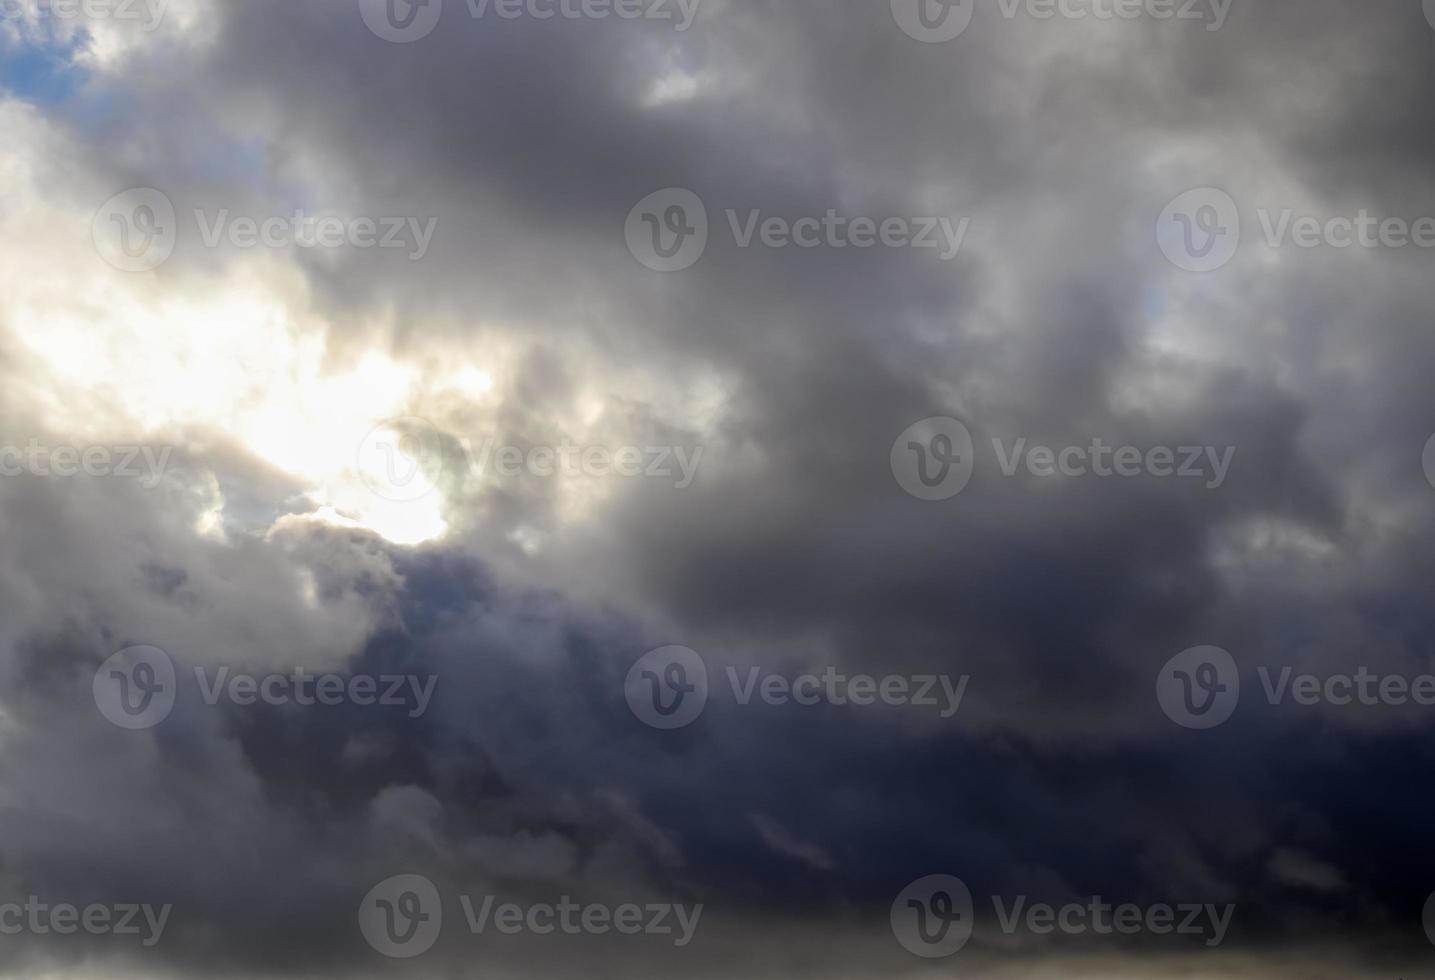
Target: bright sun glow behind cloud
(179, 361)
(209, 357)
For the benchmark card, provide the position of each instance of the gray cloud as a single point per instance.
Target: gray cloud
(794, 550)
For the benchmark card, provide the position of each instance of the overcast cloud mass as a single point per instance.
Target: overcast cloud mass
(637, 488)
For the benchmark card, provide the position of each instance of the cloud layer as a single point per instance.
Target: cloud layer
(613, 460)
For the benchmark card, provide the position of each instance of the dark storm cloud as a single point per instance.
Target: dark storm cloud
(1060, 777)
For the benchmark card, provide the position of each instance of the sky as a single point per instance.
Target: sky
(775, 489)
